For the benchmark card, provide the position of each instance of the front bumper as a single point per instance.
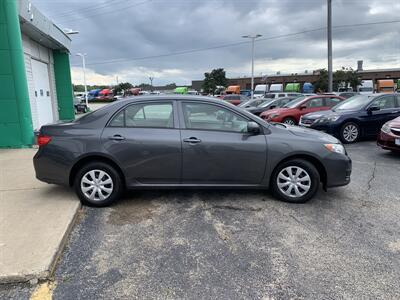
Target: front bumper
(330, 128)
(338, 170)
(388, 141)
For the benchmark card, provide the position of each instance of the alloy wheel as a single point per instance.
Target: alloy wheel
(97, 185)
(350, 133)
(289, 122)
(294, 181)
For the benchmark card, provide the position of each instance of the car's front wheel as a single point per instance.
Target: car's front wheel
(289, 121)
(98, 184)
(295, 181)
(349, 133)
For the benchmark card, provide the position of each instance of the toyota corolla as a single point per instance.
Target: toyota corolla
(186, 142)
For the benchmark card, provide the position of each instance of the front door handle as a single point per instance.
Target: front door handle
(192, 140)
(117, 137)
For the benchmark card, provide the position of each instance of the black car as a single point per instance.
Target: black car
(268, 104)
(80, 106)
(357, 117)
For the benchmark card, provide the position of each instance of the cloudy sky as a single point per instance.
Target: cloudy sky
(179, 40)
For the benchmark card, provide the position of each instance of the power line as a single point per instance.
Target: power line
(87, 8)
(107, 12)
(119, 60)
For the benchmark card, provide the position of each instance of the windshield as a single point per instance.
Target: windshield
(353, 103)
(265, 103)
(294, 102)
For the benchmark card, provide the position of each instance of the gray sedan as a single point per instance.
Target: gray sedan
(186, 142)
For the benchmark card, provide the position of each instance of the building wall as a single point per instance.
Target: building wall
(15, 115)
(33, 50)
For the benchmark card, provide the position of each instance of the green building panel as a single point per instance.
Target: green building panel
(62, 72)
(15, 116)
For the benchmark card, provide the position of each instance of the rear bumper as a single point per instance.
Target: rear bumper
(387, 141)
(338, 170)
(50, 167)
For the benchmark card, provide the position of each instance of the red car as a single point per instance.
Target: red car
(292, 111)
(389, 137)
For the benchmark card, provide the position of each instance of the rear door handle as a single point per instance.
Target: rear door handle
(192, 140)
(117, 137)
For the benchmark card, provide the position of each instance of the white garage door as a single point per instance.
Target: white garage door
(41, 82)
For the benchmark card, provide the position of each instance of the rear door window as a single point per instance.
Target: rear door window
(331, 101)
(157, 115)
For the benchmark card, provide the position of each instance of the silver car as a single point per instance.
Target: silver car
(186, 142)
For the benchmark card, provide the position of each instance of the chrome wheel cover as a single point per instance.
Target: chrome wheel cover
(350, 133)
(293, 181)
(97, 185)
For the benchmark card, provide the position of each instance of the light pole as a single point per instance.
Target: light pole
(330, 74)
(84, 76)
(253, 38)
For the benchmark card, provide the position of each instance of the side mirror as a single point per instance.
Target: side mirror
(303, 107)
(373, 108)
(253, 127)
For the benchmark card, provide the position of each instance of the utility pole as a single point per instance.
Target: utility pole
(253, 38)
(151, 82)
(84, 76)
(330, 71)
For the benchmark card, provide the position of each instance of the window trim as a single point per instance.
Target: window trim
(183, 123)
(151, 102)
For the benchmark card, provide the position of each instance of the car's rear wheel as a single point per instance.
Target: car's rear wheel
(349, 133)
(98, 184)
(289, 121)
(295, 181)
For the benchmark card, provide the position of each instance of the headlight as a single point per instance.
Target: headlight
(329, 119)
(386, 128)
(273, 116)
(338, 148)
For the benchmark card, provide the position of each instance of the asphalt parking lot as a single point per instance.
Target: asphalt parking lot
(241, 244)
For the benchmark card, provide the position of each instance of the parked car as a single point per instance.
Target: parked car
(389, 137)
(260, 90)
(280, 95)
(270, 104)
(234, 99)
(357, 117)
(79, 106)
(292, 111)
(347, 95)
(253, 102)
(186, 141)
(246, 93)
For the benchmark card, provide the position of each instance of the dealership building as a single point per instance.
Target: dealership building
(35, 75)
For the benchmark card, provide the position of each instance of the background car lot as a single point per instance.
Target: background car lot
(220, 244)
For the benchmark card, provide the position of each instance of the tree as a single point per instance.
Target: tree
(345, 77)
(122, 86)
(170, 86)
(213, 79)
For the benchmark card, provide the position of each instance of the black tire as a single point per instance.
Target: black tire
(116, 184)
(289, 121)
(309, 169)
(353, 139)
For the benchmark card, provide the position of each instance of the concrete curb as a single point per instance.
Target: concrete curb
(49, 270)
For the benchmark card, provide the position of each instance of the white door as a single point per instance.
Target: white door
(41, 82)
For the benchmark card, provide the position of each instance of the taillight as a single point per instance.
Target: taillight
(43, 140)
